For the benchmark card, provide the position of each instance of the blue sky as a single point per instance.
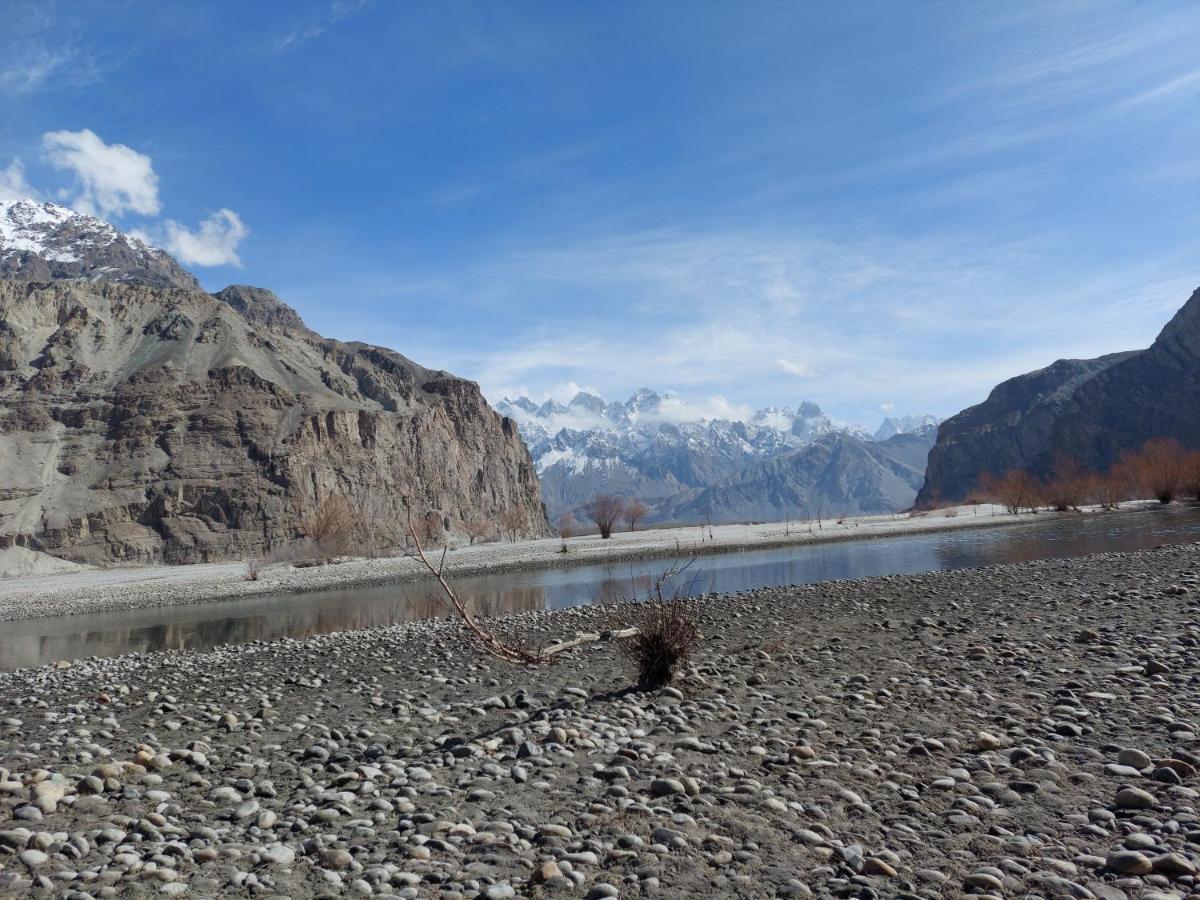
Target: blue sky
(875, 206)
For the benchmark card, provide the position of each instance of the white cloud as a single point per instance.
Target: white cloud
(113, 179)
(887, 407)
(799, 369)
(213, 244)
(13, 185)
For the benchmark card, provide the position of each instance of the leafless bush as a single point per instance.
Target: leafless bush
(1016, 489)
(666, 635)
(477, 529)
(950, 513)
(1067, 485)
(1192, 479)
(635, 511)
(512, 520)
(428, 528)
(292, 552)
(605, 510)
(1159, 469)
(382, 524)
(331, 527)
(567, 525)
(1108, 489)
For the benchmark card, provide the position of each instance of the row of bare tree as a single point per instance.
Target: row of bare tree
(1162, 468)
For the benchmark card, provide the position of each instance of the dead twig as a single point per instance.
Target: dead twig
(484, 638)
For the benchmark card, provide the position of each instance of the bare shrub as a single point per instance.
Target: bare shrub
(1108, 489)
(666, 635)
(293, 552)
(512, 521)
(1067, 485)
(428, 528)
(605, 510)
(1159, 469)
(477, 529)
(950, 513)
(1015, 490)
(635, 511)
(382, 524)
(567, 525)
(331, 527)
(1192, 477)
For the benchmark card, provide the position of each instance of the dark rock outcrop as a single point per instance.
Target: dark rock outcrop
(1092, 410)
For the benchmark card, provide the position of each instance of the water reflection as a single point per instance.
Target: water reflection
(38, 641)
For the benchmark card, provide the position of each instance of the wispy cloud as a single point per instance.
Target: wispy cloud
(325, 18)
(929, 323)
(13, 185)
(34, 68)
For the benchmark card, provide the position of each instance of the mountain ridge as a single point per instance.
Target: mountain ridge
(661, 450)
(1091, 410)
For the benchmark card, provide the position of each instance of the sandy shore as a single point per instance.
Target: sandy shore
(1015, 731)
(96, 590)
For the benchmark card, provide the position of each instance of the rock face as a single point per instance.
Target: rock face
(44, 241)
(1091, 409)
(837, 474)
(147, 423)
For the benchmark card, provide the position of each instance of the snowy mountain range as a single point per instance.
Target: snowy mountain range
(45, 241)
(660, 449)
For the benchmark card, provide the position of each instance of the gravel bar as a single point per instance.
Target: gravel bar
(1029, 730)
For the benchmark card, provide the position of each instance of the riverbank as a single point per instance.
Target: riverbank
(1023, 730)
(99, 590)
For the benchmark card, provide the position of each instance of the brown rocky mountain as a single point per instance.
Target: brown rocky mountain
(142, 422)
(1090, 409)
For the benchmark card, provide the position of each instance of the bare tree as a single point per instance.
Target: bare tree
(429, 528)
(605, 510)
(382, 523)
(1067, 485)
(567, 525)
(476, 529)
(1015, 490)
(1159, 469)
(635, 511)
(331, 527)
(1108, 489)
(512, 520)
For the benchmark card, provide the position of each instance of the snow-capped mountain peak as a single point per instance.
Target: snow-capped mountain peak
(657, 446)
(46, 241)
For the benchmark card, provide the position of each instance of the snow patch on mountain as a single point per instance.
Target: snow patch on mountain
(45, 241)
(660, 447)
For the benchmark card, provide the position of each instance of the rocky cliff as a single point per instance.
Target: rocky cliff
(144, 422)
(1090, 409)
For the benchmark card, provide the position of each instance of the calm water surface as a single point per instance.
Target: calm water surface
(38, 641)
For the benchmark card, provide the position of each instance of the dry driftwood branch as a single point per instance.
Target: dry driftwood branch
(488, 641)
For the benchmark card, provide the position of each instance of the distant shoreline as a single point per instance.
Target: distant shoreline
(101, 590)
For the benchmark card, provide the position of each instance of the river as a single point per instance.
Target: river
(38, 641)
